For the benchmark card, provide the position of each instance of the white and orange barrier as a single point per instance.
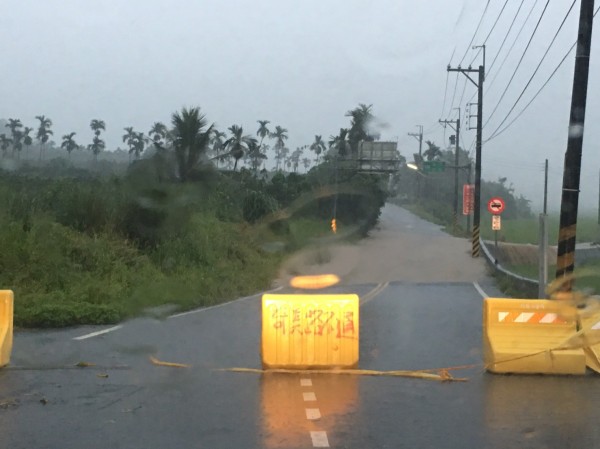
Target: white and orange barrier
(530, 336)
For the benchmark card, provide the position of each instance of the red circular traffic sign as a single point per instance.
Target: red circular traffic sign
(496, 205)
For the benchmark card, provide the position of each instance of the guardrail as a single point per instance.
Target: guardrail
(526, 287)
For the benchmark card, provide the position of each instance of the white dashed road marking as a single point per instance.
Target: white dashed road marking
(305, 383)
(319, 438)
(313, 414)
(309, 396)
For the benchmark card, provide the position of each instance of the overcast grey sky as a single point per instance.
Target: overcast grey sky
(302, 65)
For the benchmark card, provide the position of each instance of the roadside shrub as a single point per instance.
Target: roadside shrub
(256, 205)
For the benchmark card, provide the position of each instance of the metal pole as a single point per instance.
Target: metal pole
(546, 188)
(477, 212)
(456, 172)
(543, 257)
(565, 263)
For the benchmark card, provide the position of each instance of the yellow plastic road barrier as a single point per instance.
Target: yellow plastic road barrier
(530, 336)
(310, 331)
(6, 326)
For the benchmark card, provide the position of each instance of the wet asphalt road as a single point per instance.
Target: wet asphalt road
(49, 403)
(123, 401)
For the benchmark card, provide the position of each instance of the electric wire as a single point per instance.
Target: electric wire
(509, 50)
(536, 69)
(490, 32)
(454, 94)
(475, 33)
(540, 89)
(446, 88)
(506, 36)
(518, 64)
(513, 45)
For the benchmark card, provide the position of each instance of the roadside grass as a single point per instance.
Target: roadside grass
(527, 230)
(61, 277)
(587, 275)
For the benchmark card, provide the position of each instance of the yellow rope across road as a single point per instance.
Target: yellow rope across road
(441, 375)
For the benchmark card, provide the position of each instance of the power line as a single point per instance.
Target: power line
(509, 50)
(506, 36)
(491, 30)
(445, 94)
(454, 94)
(446, 88)
(518, 64)
(475, 33)
(540, 89)
(513, 44)
(536, 69)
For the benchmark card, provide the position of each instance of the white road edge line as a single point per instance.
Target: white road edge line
(190, 312)
(319, 438)
(480, 290)
(204, 309)
(95, 334)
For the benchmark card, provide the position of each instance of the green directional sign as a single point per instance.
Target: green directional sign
(434, 166)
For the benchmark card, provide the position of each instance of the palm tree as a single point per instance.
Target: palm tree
(158, 132)
(280, 136)
(306, 163)
(361, 119)
(338, 143)
(191, 139)
(129, 139)
(238, 143)
(217, 144)
(27, 140)
(96, 147)
(318, 146)
(263, 131)
(139, 144)
(432, 152)
(255, 155)
(44, 132)
(17, 134)
(5, 142)
(295, 158)
(69, 143)
(97, 126)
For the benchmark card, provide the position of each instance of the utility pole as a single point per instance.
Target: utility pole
(543, 240)
(419, 137)
(475, 249)
(565, 262)
(455, 125)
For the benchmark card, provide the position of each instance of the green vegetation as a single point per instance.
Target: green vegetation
(98, 245)
(525, 230)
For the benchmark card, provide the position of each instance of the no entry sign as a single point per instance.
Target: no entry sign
(496, 205)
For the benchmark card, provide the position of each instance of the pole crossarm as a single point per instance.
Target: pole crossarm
(465, 72)
(450, 123)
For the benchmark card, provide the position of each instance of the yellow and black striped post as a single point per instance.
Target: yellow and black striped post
(476, 245)
(565, 262)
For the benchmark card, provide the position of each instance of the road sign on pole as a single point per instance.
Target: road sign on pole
(496, 205)
(496, 223)
(468, 198)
